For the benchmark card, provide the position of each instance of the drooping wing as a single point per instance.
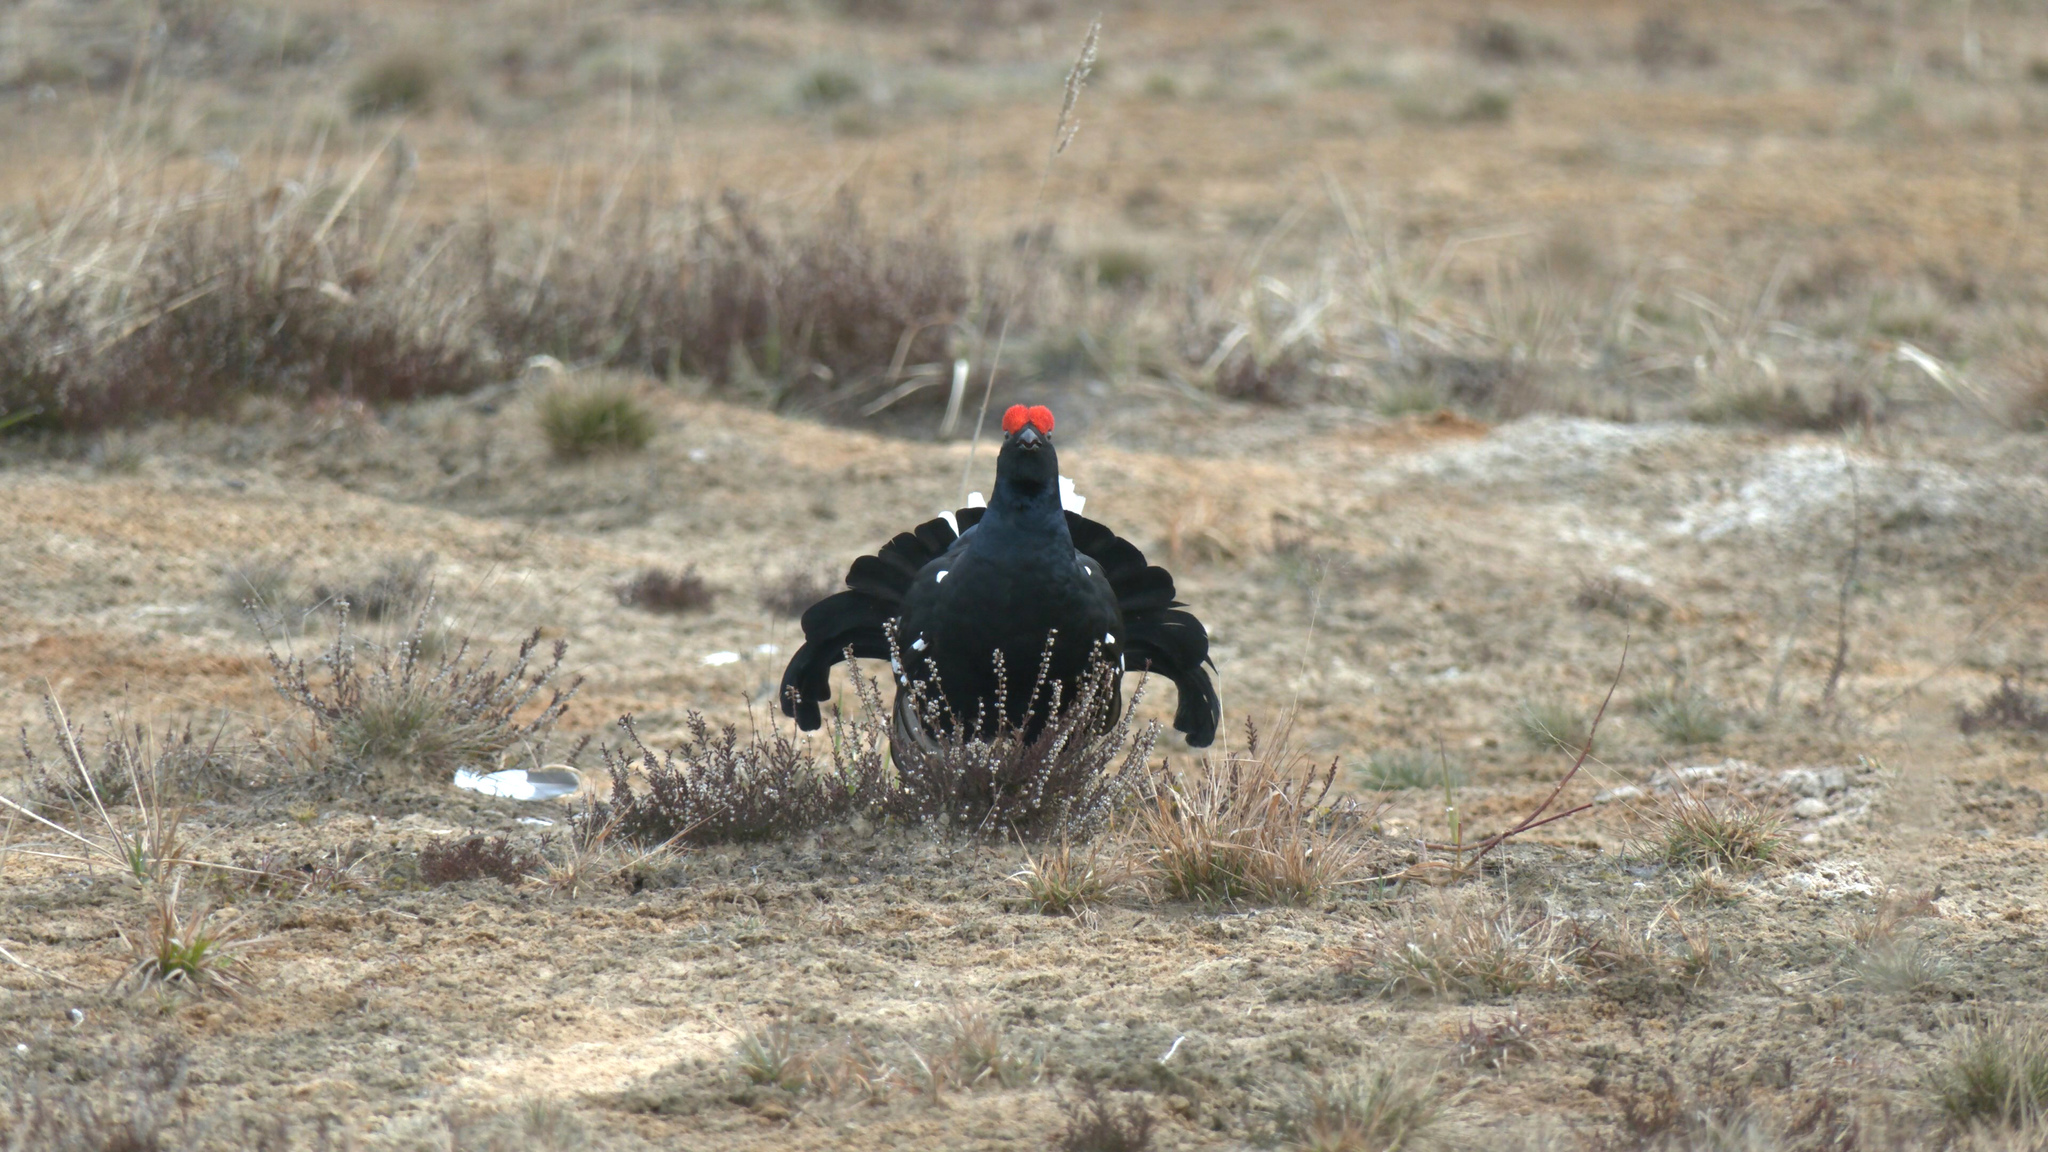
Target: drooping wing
(858, 618)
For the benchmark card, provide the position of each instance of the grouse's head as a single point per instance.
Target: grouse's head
(1028, 462)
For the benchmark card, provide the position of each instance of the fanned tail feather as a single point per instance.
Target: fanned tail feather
(1158, 637)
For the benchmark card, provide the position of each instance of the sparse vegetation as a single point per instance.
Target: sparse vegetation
(186, 950)
(1685, 717)
(391, 709)
(1060, 881)
(396, 590)
(1551, 723)
(1376, 1109)
(1694, 832)
(584, 421)
(717, 787)
(402, 82)
(660, 590)
(2010, 709)
(1250, 827)
(477, 858)
(1500, 1043)
(1397, 769)
(775, 1056)
(1471, 944)
(1995, 1072)
(1407, 422)
(795, 593)
(1095, 1124)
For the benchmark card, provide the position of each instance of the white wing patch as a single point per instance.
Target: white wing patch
(1109, 637)
(941, 577)
(917, 645)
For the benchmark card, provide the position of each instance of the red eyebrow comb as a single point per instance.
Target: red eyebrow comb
(1018, 416)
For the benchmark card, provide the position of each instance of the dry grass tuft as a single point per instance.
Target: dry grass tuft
(421, 718)
(1365, 1110)
(1685, 718)
(774, 1056)
(477, 858)
(1094, 1124)
(659, 590)
(77, 799)
(1062, 881)
(1994, 1073)
(1250, 827)
(1734, 834)
(1466, 943)
(193, 951)
(583, 421)
(974, 1051)
(719, 788)
(398, 588)
(1507, 1039)
(1547, 724)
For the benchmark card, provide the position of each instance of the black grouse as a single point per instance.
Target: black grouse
(961, 588)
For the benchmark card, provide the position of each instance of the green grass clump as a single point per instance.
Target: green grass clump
(1686, 718)
(827, 87)
(1548, 724)
(1994, 1073)
(580, 423)
(1396, 769)
(401, 83)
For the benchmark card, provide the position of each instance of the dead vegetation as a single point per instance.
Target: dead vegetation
(2009, 709)
(395, 709)
(1251, 827)
(718, 786)
(477, 858)
(1695, 831)
(1061, 776)
(660, 590)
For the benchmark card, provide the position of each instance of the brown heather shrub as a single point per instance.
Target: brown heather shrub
(1063, 780)
(398, 709)
(477, 858)
(2011, 709)
(717, 787)
(659, 590)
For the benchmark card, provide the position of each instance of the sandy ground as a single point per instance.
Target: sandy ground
(1396, 583)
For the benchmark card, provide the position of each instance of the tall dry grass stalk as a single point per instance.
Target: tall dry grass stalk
(1064, 130)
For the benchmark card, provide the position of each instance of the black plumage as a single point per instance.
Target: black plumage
(1009, 576)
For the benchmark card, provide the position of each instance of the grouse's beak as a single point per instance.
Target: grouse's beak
(1029, 437)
